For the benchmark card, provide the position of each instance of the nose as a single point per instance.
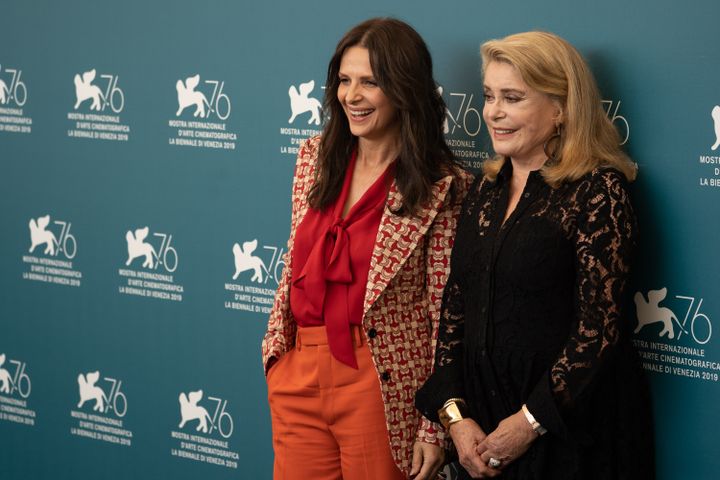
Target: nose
(353, 93)
(492, 110)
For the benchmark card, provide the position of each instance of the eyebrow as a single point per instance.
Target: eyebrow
(507, 90)
(367, 77)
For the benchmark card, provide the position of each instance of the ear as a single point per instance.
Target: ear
(559, 117)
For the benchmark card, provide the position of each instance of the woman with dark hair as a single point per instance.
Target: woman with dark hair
(535, 376)
(352, 331)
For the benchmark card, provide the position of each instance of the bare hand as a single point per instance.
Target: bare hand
(427, 461)
(467, 437)
(510, 440)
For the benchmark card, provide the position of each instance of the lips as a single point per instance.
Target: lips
(359, 114)
(503, 131)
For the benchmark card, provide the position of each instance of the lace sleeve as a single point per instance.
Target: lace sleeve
(604, 240)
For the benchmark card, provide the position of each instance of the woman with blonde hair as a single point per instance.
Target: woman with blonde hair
(535, 375)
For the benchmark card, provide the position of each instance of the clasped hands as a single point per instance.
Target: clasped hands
(510, 440)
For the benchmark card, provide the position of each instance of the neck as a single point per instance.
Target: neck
(376, 153)
(523, 167)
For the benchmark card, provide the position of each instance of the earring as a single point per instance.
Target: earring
(555, 136)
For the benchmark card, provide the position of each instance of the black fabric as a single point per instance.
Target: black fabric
(532, 314)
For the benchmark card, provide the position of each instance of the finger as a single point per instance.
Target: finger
(424, 472)
(482, 448)
(431, 466)
(417, 460)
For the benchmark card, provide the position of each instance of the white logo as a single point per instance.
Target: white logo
(88, 390)
(166, 255)
(617, 119)
(461, 115)
(650, 311)
(85, 90)
(190, 410)
(117, 401)
(244, 260)
(138, 248)
(18, 382)
(16, 91)
(187, 96)
(301, 102)
(4, 92)
(40, 235)
(716, 120)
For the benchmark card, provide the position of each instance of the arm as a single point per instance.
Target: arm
(428, 454)
(604, 241)
(446, 380)
(280, 330)
(441, 238)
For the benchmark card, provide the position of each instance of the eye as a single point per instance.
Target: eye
(488, 98)
(512, 99)
(344, 80)
(371, 83)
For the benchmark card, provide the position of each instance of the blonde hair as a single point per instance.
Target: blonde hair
(552, 66)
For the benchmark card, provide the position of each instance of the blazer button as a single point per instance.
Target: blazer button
(372, 333)
(385, 376)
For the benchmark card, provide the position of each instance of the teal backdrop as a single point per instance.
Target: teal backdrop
(146, 156)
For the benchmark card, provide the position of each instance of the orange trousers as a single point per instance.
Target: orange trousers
(328, 419)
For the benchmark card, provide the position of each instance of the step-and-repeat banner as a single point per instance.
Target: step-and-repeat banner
(146, 156)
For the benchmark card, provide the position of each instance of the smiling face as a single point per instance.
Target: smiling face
(519, 118)
(370, 114)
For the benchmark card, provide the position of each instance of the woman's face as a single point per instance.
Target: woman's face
(370, 113)
(518, 118)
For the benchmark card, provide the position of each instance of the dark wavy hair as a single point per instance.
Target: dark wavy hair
(402, 66)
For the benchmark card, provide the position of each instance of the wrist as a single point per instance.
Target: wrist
(453, 411)
(534, 424)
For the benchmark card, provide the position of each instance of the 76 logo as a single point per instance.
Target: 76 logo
(220, 420)
(17, 91)
(112, 95)
(115, 400)
(40, 235)
(261, 273)
(695, 323)
(165, 255)
(219, 102)
(19, 381)
(461, 114)
(617, 120)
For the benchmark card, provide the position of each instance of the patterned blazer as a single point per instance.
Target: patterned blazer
(408, 271)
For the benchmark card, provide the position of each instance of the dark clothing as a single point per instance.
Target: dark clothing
(532, 314)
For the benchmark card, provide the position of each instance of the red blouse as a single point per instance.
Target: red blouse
(331, 262)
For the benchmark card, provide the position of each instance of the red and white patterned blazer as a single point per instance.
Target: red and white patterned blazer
(408, 271)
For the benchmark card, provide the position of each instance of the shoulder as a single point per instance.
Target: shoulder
(307, 159)
(604, 182)
(460, 183)
(463, 181)
(309, 151)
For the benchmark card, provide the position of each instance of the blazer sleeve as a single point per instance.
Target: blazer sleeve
(280, 334)
(441, 238)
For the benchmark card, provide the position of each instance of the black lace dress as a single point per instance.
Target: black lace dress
(532, 314)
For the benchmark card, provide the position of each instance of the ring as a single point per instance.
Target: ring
(494, 463)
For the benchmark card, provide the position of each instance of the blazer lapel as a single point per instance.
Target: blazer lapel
(397, 238)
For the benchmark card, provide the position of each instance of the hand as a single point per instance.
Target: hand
(467, 437)
(427, 461)
(509, 441)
